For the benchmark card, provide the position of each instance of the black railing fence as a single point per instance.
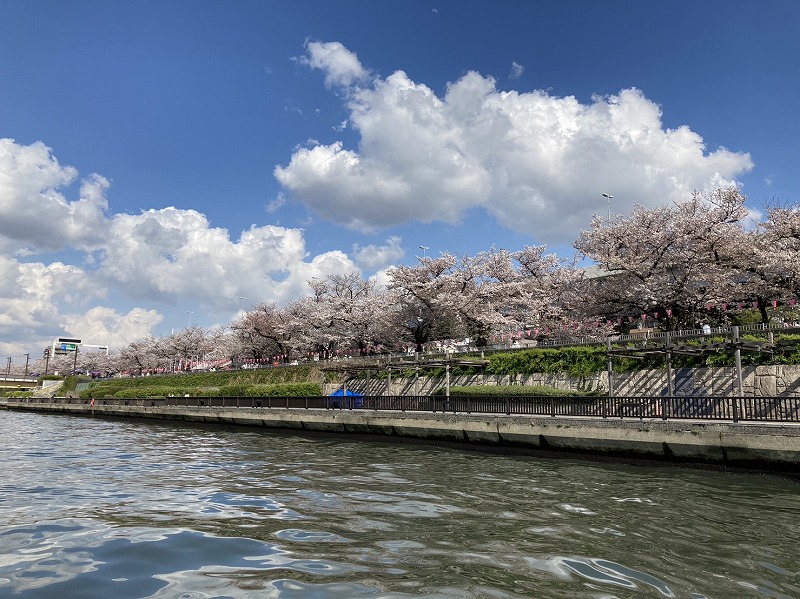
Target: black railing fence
(760, 409)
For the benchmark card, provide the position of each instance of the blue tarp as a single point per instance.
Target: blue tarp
(348, 393)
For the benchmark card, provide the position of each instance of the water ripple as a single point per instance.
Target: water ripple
(124, 509)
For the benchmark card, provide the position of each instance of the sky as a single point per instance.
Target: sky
(170, 163)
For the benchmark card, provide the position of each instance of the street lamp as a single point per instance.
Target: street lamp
(608, 197)
(424, 249)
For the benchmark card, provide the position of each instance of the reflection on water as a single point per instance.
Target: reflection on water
(96, 508)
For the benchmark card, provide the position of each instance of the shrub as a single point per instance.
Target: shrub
(510, 391)
(146, 392)
(575, 361)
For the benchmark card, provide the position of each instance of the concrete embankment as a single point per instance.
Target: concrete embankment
(773, 447)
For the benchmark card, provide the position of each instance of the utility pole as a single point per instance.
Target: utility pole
(27, 359)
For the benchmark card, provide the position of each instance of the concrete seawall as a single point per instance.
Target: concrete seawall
(769, 447)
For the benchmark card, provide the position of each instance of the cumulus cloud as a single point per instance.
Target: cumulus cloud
(375, 257)
(516, 71)
(150, 261)
(34, 213)
(105, 326)
(32, 295)
(536, 163)
(170, 253)
(341, 66)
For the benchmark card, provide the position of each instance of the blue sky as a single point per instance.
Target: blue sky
(166, 163)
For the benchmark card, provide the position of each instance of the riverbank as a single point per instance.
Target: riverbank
(763, 447)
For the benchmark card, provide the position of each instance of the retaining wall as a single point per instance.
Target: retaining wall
(773, 447)
(758, 381)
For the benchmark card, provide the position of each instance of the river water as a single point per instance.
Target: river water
(105, 508)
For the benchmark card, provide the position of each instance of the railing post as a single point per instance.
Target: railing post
(739, 382)
(610, 368)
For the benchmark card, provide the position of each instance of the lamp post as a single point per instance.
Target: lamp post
(424, 249)
(608, 197)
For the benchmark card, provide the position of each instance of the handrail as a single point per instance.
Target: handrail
(712, 408)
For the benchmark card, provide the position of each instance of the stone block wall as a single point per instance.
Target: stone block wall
(758, 381)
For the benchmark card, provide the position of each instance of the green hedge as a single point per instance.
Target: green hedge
(510, 391)
(141, 391)
(576, 361)
(207, 381)
(585, 361)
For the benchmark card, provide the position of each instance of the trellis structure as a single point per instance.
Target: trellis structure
(417, 363)
(666, 346)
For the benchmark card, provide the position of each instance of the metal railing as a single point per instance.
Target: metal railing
(736, 409)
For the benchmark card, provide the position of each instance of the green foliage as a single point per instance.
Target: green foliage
(287, 390)
(509, 391)
(203, 383)
(139, 392)
(145, 392)
(71, 382)
(575, 361)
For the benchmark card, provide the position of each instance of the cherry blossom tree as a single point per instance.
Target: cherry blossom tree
(447, 296)
(769, 259)
(667, 263)
(142, 356)
(266, 331)
(495, 291)
(349, 312)
(545, 294)
(780, 246)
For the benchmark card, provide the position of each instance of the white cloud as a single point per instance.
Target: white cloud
(170, 253)
(341, 66)
(276, 204)
(381, 278)
(535, 162)
(753, 218)
(32, 295)
(105, 326)
(375, 257)
(151, 260)
(516, 71)
(34, 214)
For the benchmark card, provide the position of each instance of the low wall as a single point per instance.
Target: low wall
(758, 381)
(753, 446)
